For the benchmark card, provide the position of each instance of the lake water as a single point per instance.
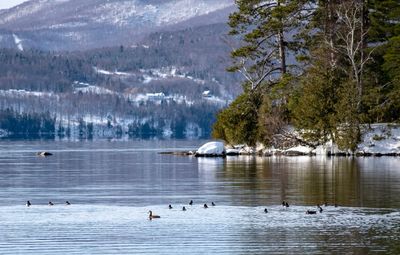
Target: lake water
(113, 184)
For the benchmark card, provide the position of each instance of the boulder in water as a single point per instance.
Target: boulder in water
(211, 149)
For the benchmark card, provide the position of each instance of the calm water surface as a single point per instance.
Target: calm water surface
(113, 184)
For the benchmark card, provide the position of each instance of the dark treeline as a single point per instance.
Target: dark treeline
(324, 66)
(33, 125)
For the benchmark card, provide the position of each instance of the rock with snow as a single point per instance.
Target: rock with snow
(232, 152)
(299, 151)
(247, 150)
(211, 149)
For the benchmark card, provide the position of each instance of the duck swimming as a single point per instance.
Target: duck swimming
(311, 212)
(191, 202)
(205, 206)
(44, 153)
(320, 208)
(212, 203)
(169, 206)
(152, 216)
(266, 210)
(183, 208)
(286, 204)
(50, 203)
(28, 203)
(67, 203)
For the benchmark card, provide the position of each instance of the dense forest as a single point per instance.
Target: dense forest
(326, 67)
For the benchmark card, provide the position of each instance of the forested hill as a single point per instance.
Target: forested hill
(81, 25)
(169, 84)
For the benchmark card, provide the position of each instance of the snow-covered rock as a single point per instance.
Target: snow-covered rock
(232, 152)
(211, 149)
(298, 151)
(247, 150)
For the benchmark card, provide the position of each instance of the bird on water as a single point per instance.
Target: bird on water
(212, 203)
(169, 206)
(28, 203)
(205, 206)
(183, 208)
(153, 216)
(191, 202)
(67, 203)
(51, 203)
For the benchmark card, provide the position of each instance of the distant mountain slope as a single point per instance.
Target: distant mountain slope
(98, 68)
(77, 24)
(171, 83)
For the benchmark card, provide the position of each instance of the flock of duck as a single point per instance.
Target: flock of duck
(284, 204)
(28, 203)
(153, 216)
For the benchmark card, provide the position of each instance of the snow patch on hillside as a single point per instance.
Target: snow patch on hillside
(87, 88)
(177, 11)
(67, 25)
(23, 10)
(158, 98)
(123, 13)
(18, 42)
(154, 74)
(22, 93)
(116, 73)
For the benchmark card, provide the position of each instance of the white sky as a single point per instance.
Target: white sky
(5, 4)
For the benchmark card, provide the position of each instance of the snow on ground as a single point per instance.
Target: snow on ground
(377, 139)
(117, 73)
(22, 92)
(165, 73)
(84, 87)
(18, 42)
(381, 138)
(158, 98)
(169, 12)
(177, 11)
(155, 74)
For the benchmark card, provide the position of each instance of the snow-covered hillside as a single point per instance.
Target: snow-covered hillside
(77, 24)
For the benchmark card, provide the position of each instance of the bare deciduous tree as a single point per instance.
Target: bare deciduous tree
(351, 35)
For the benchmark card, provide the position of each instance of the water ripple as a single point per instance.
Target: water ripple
(88, 229)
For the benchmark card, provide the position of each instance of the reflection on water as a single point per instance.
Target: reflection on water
(112, 185)
(370, 182)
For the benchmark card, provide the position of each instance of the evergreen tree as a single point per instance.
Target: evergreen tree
(266, 30)
(238, 123)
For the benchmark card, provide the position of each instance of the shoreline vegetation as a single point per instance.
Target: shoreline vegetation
(378, 140)
(317, 74)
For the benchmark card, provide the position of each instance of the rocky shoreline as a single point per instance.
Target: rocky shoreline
(378, 140)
